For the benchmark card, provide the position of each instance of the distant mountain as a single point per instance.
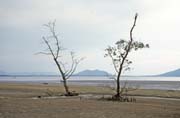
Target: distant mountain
(3, 73)
(28, 74)
(82, 73)
(92, 73)
(174, 73)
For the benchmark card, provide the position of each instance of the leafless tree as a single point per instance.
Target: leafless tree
(119, 54)
(55, 49)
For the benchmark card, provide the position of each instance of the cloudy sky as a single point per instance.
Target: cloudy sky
(88, 27)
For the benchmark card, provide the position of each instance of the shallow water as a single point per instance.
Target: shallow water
(162, 83)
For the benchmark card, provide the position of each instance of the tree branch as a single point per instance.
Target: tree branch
(114, 64)
(45, 53)
(74, 65)
(49, 47)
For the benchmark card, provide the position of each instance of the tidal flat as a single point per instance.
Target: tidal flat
(20, 100)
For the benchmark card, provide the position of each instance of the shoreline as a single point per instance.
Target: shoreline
(145, 85)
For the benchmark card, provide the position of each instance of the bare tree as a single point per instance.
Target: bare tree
(119, 56)
(55, 49)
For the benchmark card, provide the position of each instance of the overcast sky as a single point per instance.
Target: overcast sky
(88, 27)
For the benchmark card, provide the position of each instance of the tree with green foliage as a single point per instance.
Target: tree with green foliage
(119, 56)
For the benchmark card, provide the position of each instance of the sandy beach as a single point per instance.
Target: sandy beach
(18, 100)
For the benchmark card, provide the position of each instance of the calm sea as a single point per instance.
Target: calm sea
(163, 83)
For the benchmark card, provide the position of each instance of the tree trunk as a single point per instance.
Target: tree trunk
(118, 84)
(66, 87)
(68, 93)
(124, 58)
